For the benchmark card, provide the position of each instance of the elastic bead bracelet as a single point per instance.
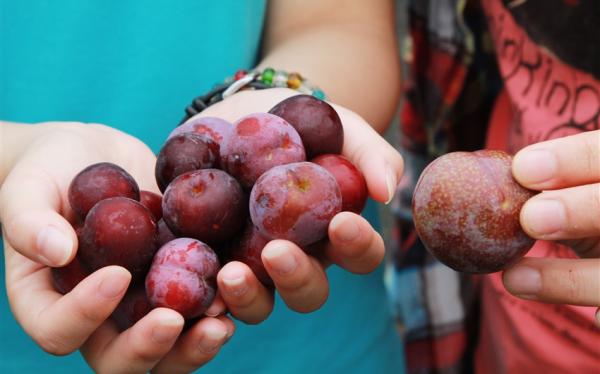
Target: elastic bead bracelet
(253, 80)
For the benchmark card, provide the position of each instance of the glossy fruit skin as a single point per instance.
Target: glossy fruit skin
(466, 209)
(208, 205)
(118, 231)
(351, 181)
(153, 202)
(183, 277)
(248, 249)
(216, 129)
(98, 182)
(133, 307)
(295, 202)
(67, 277)
(316, 121)
(257, 143)
(182, 153)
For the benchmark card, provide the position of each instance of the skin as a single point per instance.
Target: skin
(568, 211)
(40, 160)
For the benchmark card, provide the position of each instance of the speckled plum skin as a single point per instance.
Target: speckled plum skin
(466, 209)
(257, 143)
(316, 121)
(351, 181)
(67, 277)
(153, 202)
(182, 153)
(183, 277)
(214, 128)
(118, 231)
(98, 182)
(133, 307)
(208, 205)
(248, 249)
(295, 202)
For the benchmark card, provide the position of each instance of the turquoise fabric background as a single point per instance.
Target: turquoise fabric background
(135, 65)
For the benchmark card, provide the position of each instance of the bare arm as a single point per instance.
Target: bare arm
(348, 48)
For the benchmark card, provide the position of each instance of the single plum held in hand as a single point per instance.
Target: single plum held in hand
(118, 231)
(208, 205)
(466, 209)
(183, 277)
(316, 121)
(295, 202)
(257, 143)
(182, 153)
(98, 182)
(351, 181)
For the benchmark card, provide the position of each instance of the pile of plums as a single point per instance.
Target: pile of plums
(227, 190)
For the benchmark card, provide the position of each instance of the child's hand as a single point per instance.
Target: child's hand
(33, 202)
(353, 243)
(568, 211)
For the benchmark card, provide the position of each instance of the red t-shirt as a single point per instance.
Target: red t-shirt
(544, 97)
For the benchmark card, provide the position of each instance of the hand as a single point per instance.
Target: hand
(33, 207)
(353, 244)
(568, 211)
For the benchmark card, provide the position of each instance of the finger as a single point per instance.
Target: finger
(570, 213)
(137, 349)
(246, 298)
(379, 162)
(565, 281)
(30, 203)
(299, 278)
(197, 346)
(559, 163)
(61, 324)
(353, 244)
(217, 307)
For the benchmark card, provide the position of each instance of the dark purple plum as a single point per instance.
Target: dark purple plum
(133, 307)
(165, 234)
(183, 277)
(248, 249)
(295, 202)
(98, 182)
(153, 202)
(316, 121)
(214, 128)
(257, 143)
(67, 277)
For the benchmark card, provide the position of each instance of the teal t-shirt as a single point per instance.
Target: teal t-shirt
(135, 65)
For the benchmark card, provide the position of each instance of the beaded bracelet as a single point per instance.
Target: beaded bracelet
(255, 80)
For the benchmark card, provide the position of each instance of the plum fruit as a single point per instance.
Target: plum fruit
(316, 121)
(248, 249)
(133, 307)
(183, 277)
(65, 278)
(295, 202)
(118, 231)
(466, 209)
(351, 181)
(165, 234)
(216, 129)
(98, 182)
(153, 202)
(182, 153)
(257, 143)
(208, 205)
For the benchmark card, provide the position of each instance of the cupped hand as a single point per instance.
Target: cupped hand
(353, 244)
(567, 170)
(35, 215)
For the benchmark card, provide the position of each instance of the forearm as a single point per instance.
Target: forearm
(352, 56)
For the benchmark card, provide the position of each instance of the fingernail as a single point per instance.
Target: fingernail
(54, 246)
(523, 281)
(346, 230)
(213, 338)
(534, 166)
(281, 260)
(544, 216)
(235, 284)
(167, 331)
(215, 309)
(391, 182)
(114, 284)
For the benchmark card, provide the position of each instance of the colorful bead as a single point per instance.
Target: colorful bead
(280, 79)
(240, 74)
(267, 75)
(319, 94)
(294, 81)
